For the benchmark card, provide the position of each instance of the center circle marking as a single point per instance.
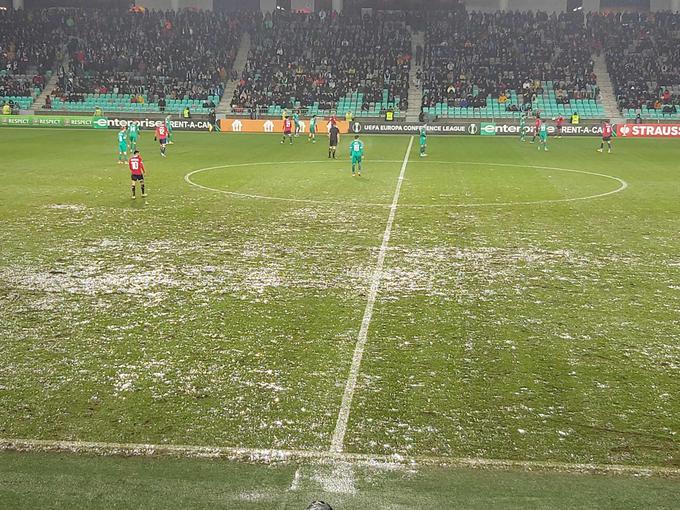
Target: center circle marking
(622, 185)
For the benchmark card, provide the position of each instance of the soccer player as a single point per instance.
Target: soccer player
(162, 137)
(537, 126)
(312, 129)
(133, 129)
(522, 127)
(137, 172)
(296, 121)
(356, 151)
(168, 126)
(333, 139)
(122, 146)
(287, 130)
(560, 123)
(542, 130)
(423, 141)
(607, 133)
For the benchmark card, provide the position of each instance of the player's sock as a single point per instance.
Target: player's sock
(143, 193)
(352, 169)
(133, 191)
(329, 153)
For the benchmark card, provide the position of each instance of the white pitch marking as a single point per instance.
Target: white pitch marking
(622, 186)
(322, 456)
(343, 416)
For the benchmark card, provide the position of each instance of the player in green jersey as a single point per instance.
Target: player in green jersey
(522, 127)
(168, 124)
(133, 129)
(543, 136)
(122, 146)
(312, 129)
(423, 141)
(356, 151)
(296, 121)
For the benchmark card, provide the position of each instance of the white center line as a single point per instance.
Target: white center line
(337, 443)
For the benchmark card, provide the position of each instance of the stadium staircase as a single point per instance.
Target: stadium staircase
(49, 88)
(415, 89)
(607, 95)
(53, 80)
(224, 107)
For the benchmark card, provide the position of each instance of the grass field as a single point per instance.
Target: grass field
(511, 316)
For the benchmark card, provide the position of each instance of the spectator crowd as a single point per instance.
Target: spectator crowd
(174, 54)
(320, 57)
(29, 45)
(303, 59)
(469, 56)
(642, 51)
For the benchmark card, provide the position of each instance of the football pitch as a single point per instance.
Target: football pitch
(488, 303)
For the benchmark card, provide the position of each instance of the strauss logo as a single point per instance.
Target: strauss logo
(624, 130)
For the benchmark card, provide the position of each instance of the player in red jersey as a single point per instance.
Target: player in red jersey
(537, 126)
(162, 137)
(607, 133)
(287, 130)
(560, 122)
(137, 172)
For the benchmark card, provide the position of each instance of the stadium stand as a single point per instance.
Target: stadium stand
(147, 62)
(472, 65)
(497, 65)
(29, 45)
(642, 51)
(326, 63)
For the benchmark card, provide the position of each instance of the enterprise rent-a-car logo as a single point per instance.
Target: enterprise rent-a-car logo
(152, 123)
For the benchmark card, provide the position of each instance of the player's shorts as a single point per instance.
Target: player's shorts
(423, 142)
(122, 147)
(287, 133)
(312, 130)
(162, 141)
(543, 136)
(333, 142)
(356, 158)
(133, 139)
(606, 138)
(137, 177)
